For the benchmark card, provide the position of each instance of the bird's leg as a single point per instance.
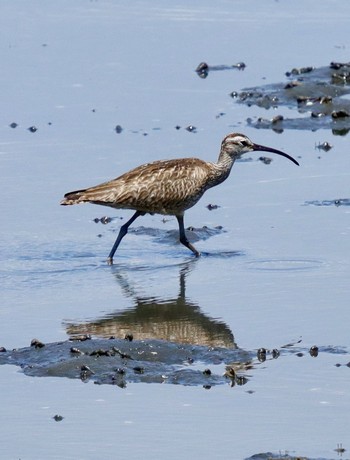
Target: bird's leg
(183, 237)
(122, 232)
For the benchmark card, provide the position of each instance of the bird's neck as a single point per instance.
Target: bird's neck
(222, 168)
(225, 161)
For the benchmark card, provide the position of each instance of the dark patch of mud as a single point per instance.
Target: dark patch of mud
(118, 362)
(336, 202)
(285, 456)
(122, 361)
(203, 68)
(319, 95)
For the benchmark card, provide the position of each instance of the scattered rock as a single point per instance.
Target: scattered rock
(203, 68)
(326, 146)
(314, 351)
(317, 91)
(340, 114)
(36, 343)
(104, 220)
(265, 160)
(80, 337)
(300, 71)
(261, 354)
(211, 207)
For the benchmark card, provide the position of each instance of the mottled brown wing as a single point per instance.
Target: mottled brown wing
(164, 187)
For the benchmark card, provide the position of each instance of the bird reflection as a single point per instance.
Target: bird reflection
(176, 319)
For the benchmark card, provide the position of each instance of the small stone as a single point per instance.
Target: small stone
(340, 114)
(36, 343)
(326, 146)
(212, 206)
(277, 119)
(139, 370)
(240, 65)
(105, 220)
(261, 354)
(241, 380)
(313, 351)
(202, 67)
(275, 353)
(85, 368)
(317, 114)
(80, 338)
(265, 160)
(76, 351)
(120, 371)
(202, 70)
(292, 84)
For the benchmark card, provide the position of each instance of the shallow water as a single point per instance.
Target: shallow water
(275, 252)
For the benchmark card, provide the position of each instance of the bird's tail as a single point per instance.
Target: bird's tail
(75, 197)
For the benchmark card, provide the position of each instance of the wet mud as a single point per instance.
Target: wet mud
(121, 361)
(203, 68)
(287, 456)
(318, 96)
(335, 202)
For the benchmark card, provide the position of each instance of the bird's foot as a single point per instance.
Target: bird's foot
(110, 261)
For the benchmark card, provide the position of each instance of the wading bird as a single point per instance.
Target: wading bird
(167, 187)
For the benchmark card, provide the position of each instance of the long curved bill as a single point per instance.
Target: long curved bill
(262, 148)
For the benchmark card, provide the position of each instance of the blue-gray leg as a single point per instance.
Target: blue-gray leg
(122, 232)
(183, 237)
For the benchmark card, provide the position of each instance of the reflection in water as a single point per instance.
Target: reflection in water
(175, 320)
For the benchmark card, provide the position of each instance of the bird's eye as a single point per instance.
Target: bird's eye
(244, 143)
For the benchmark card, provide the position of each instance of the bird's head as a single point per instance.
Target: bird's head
(235, 145)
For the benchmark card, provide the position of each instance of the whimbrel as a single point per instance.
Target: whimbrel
(167, 187)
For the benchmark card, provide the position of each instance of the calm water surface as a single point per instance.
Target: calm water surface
(276, 273)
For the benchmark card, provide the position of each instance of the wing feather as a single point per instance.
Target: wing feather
(165, 187)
